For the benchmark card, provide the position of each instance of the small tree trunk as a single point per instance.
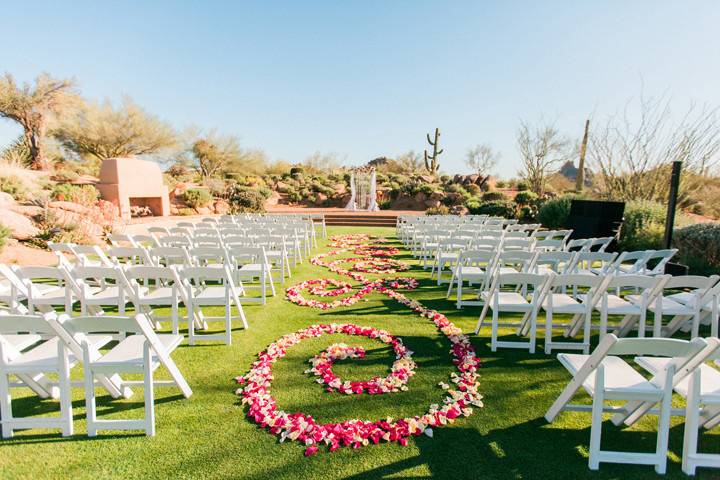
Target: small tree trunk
(37, 154)
(580, 179)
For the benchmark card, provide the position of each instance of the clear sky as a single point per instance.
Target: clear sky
(370, 78)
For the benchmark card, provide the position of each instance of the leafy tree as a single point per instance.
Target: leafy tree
(33, 107)
(482, 158)
(103, 131)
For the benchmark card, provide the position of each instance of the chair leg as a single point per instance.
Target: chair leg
(65, 393)
(90, 407)
(191, 322)
(692, 414)
(5, 406)
(149, 394)
(548, 331)
(483, 313)
(596, 426)
(494, 341)
(586, 332)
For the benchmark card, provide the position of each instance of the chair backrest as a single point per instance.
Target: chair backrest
(632, 262)
(558, 261)
(477, 258)
(203, 256)
(485, 243)
(656, 261)
(579, 244)
(129, 256)
(89, 254)
(517, 233)
(525, 244)
(143, 273)
(538, 282)
(600, 244)
(578, 280)
(170, 256)
(159, 231)
(196, 275)
(145, 240)
(517, 258)
(635, 282)
(32, 273)
(601, 261)
(13, 324)
(121, 240)
(176, 240)
(691, 282)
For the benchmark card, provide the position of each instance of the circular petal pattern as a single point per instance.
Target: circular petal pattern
(255, 386)
(402, 369)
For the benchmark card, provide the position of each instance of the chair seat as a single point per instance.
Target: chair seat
(562, 303)
(619, 306)
(448, 256)
(49, 295)
(210, 293)
(129, 352)
(620, 378)
(509, 301)
(251, 268)
(688, 298)
(158, 296)
(670, 307)
(22, 341)
(504, 270)
(709, 378)
(44, 357)
(468, 271)
(110, 293)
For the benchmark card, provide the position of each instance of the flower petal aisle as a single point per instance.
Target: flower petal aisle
(371, 257)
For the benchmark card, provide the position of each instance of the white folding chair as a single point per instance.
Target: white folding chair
(556, 301)
(98, 287)
(526, 297)
(31, 365)
(152, 286)
(170, 256)
(605, 376)
(248, 264)
(205, 286)
(45, 288)
(683, 313)
(596, 263)
(474, 267)
(140, 353)
(91, 256)
(558, 262)
(129, 256)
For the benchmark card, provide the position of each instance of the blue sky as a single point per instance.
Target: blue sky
(369, 78)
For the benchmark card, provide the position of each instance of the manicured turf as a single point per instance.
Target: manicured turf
(208, 435)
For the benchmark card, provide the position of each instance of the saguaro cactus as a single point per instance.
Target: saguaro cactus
(580, 180)
(432, 165)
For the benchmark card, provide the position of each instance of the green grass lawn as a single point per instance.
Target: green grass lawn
(208, 435)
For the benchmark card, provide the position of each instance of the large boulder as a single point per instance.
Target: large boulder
(6, 200)
(22, 227)
(221, 206)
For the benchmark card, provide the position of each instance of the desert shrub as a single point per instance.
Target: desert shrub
(501, 184)
(385, 205)
(197, 197)
(186, 212)
(425, 188)
(216, 186)
(473, 189)
(5, 233)
(86, 195)
(495, 208)
(265, 192)
(643, 226)
(473, 205)
(243, 199)
(444, 178)
(13, 185)
(494, 196)
(65, 175)
(439, 210)
(522, 186)
(554, 212)
(525, 197)
(296, 170)
(699, 247)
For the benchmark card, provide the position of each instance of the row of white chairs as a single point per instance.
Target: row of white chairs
(477, 266)
(47, 289)
(34, 346)
(689, 300)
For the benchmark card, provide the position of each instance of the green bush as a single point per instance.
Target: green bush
(243, 199)
(425, 188)
(494, 197)
(525, 197)
(699, 247)
(643, 226)
(296, 170)
(186, 212)
(86, 195)
(441, 210)
(13, 185)
(496, 208)
(553, 213)
(197, 197)
(522, 186)
(501, 184)
(473, 189)
(5, 233)
(473, 205)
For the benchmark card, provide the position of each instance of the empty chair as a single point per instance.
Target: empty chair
(474, 267)
(121, 240)
(205, 286)
(142, 352)
(682, 313)
(152, 286)
(628, 296)
(556, 301)
(553, 262)
(523, 244)
(146, 241)
(631, 263)
(98, 287)
(515, 261)
(12, 290)
(596, 263)
(525, 297)
(158, 231)
(45, 288)
(176, 240)
(701, 390)
(169, 256)
(656, 261)
(214, 257)
(579, 245)
(248, 264)
(129, 256)
(31, 366)
(600, 244)
(605, 376)
(91, 256)
(447, 254)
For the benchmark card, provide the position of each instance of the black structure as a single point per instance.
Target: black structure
(590, 218)
(672, 203)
